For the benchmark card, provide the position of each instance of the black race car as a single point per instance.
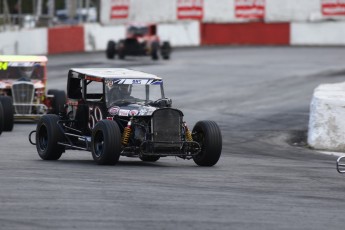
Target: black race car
(141, 40)
(120, 112)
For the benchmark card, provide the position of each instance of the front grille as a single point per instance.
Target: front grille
(23, 95)
(166, 125)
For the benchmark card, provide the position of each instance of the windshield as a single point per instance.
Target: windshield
(21, 72)
(137, 30)
(122, 94)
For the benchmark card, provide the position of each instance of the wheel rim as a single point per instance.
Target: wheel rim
(43, 138)
(98, 144)
(200, 138)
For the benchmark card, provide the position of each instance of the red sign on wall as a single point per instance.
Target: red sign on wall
(190, 9)
(119, 9)
(250, 9)
(333, 7)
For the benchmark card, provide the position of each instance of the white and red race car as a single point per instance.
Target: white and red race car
(23, 90)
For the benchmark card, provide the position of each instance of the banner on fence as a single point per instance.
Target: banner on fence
(119, 9)
(250, 9)
(190, 9)
(333, 7)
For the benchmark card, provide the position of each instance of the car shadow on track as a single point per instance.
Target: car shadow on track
(121, 163)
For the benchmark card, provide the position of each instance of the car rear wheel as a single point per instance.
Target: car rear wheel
(208, 135)
(149, 158)
(8, 112)
(111, 50)
(106, 142)
(154, 50)
(48, 134)
(166, 50)
(122, 50)
(58, 101)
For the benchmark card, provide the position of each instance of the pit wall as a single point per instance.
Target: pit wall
(292, 22)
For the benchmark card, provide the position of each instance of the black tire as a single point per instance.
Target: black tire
(149, 158)
(48, 134)
(208, 135)
(166, 50)
(8, 112)
(106, 142)
(1, 119)
(111, 50)
(58, 101)
(154, 50)
(122, 50)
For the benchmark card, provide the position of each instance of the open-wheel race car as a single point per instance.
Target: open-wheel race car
(119, 112)
(23, 89)
(141, 40)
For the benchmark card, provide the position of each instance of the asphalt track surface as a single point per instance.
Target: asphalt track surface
(266, 178)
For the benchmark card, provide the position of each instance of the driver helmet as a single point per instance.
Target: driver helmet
(125, 90)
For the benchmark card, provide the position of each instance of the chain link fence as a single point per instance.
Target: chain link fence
(18, 14)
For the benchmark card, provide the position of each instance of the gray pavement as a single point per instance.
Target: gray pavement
(267, 178)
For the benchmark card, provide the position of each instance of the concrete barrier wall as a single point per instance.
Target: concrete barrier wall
(293, 22)
(65, 39)
(152, 11)
(252, 33)
(180, 34)
(28, 42)
(318, 33)
(292, 10)
(220, 12)
(96, 36)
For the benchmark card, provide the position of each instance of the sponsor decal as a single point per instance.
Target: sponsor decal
(124, 112)
(91, 122)
(250, 9)
(333, 7)
(142, 112)
(136, 82)
(110, 118)
(119, 9)
(133, 112)
(190, 9)
(98, 114)
(110, 83)
(113, 110)
(3, 65)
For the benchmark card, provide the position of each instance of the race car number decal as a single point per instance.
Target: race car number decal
(3, 65)
(136, 82)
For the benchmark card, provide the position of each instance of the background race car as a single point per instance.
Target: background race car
(140, 40)
(23, 88)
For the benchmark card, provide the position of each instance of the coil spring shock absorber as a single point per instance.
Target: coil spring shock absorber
(188, 133)
(126, 133)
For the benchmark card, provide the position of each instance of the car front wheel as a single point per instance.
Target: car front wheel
(8, 118)
(209, 137)
(106, 142)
